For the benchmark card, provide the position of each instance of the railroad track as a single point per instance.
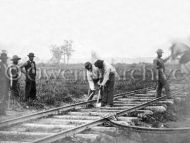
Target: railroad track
(58, 123)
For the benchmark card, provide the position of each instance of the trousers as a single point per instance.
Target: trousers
(162, 83)
(108, 91)
(30, 90)
(3, 96)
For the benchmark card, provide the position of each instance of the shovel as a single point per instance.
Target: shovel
(98, 104)
(92, 94)
(89, 98)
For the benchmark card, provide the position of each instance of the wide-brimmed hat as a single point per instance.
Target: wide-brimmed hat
(15, 57)
(31, 55)
(159, 51)
(3, 56)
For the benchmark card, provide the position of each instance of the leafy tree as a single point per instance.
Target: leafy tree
(56, 54)
(65, 50)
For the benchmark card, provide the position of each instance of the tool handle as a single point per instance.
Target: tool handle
(98, 96)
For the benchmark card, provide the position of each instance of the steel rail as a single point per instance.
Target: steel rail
(132, 92)
(177, 91)
(42, 114)
(152, 130)
(81, 128)
(49, 112)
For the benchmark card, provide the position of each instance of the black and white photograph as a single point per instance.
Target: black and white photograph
(94, 71)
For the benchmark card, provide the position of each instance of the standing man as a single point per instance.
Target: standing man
(30, 72)
(109, 73)
(93, 76)
(15, 74)
(4, 81)
(161, 78)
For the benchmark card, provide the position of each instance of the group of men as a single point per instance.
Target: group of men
(9, 79)
(101, 76)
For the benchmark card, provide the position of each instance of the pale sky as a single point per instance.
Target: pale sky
(112, 28)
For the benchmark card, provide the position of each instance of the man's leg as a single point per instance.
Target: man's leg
(33, 90)
(111, 90)
(27, 90)
(2, 104)
(4, 98)
(159, 89)
(1, 100)
(15, 90)
(167, 89)
(104, 96)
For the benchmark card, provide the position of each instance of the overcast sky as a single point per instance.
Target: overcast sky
(112, 28)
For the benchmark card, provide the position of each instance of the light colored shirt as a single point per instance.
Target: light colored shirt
(107, 69)
(93, 75)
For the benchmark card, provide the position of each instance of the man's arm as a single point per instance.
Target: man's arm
(22, 66)
(106, 76)
(166, 59)
(99, 76)
(90, 81)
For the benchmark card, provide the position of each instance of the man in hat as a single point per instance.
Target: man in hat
(30, 72)
(93, 76)
(4, 81)
(160, 73)
(108, 72)
(15, 74)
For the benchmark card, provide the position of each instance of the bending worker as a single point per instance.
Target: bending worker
(159, 68)
(108, 72)
(93, 76)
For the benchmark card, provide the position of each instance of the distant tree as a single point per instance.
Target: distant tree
(56, 54)
(94, 56)
(112, 61)
(65, 50)
(69, 50)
